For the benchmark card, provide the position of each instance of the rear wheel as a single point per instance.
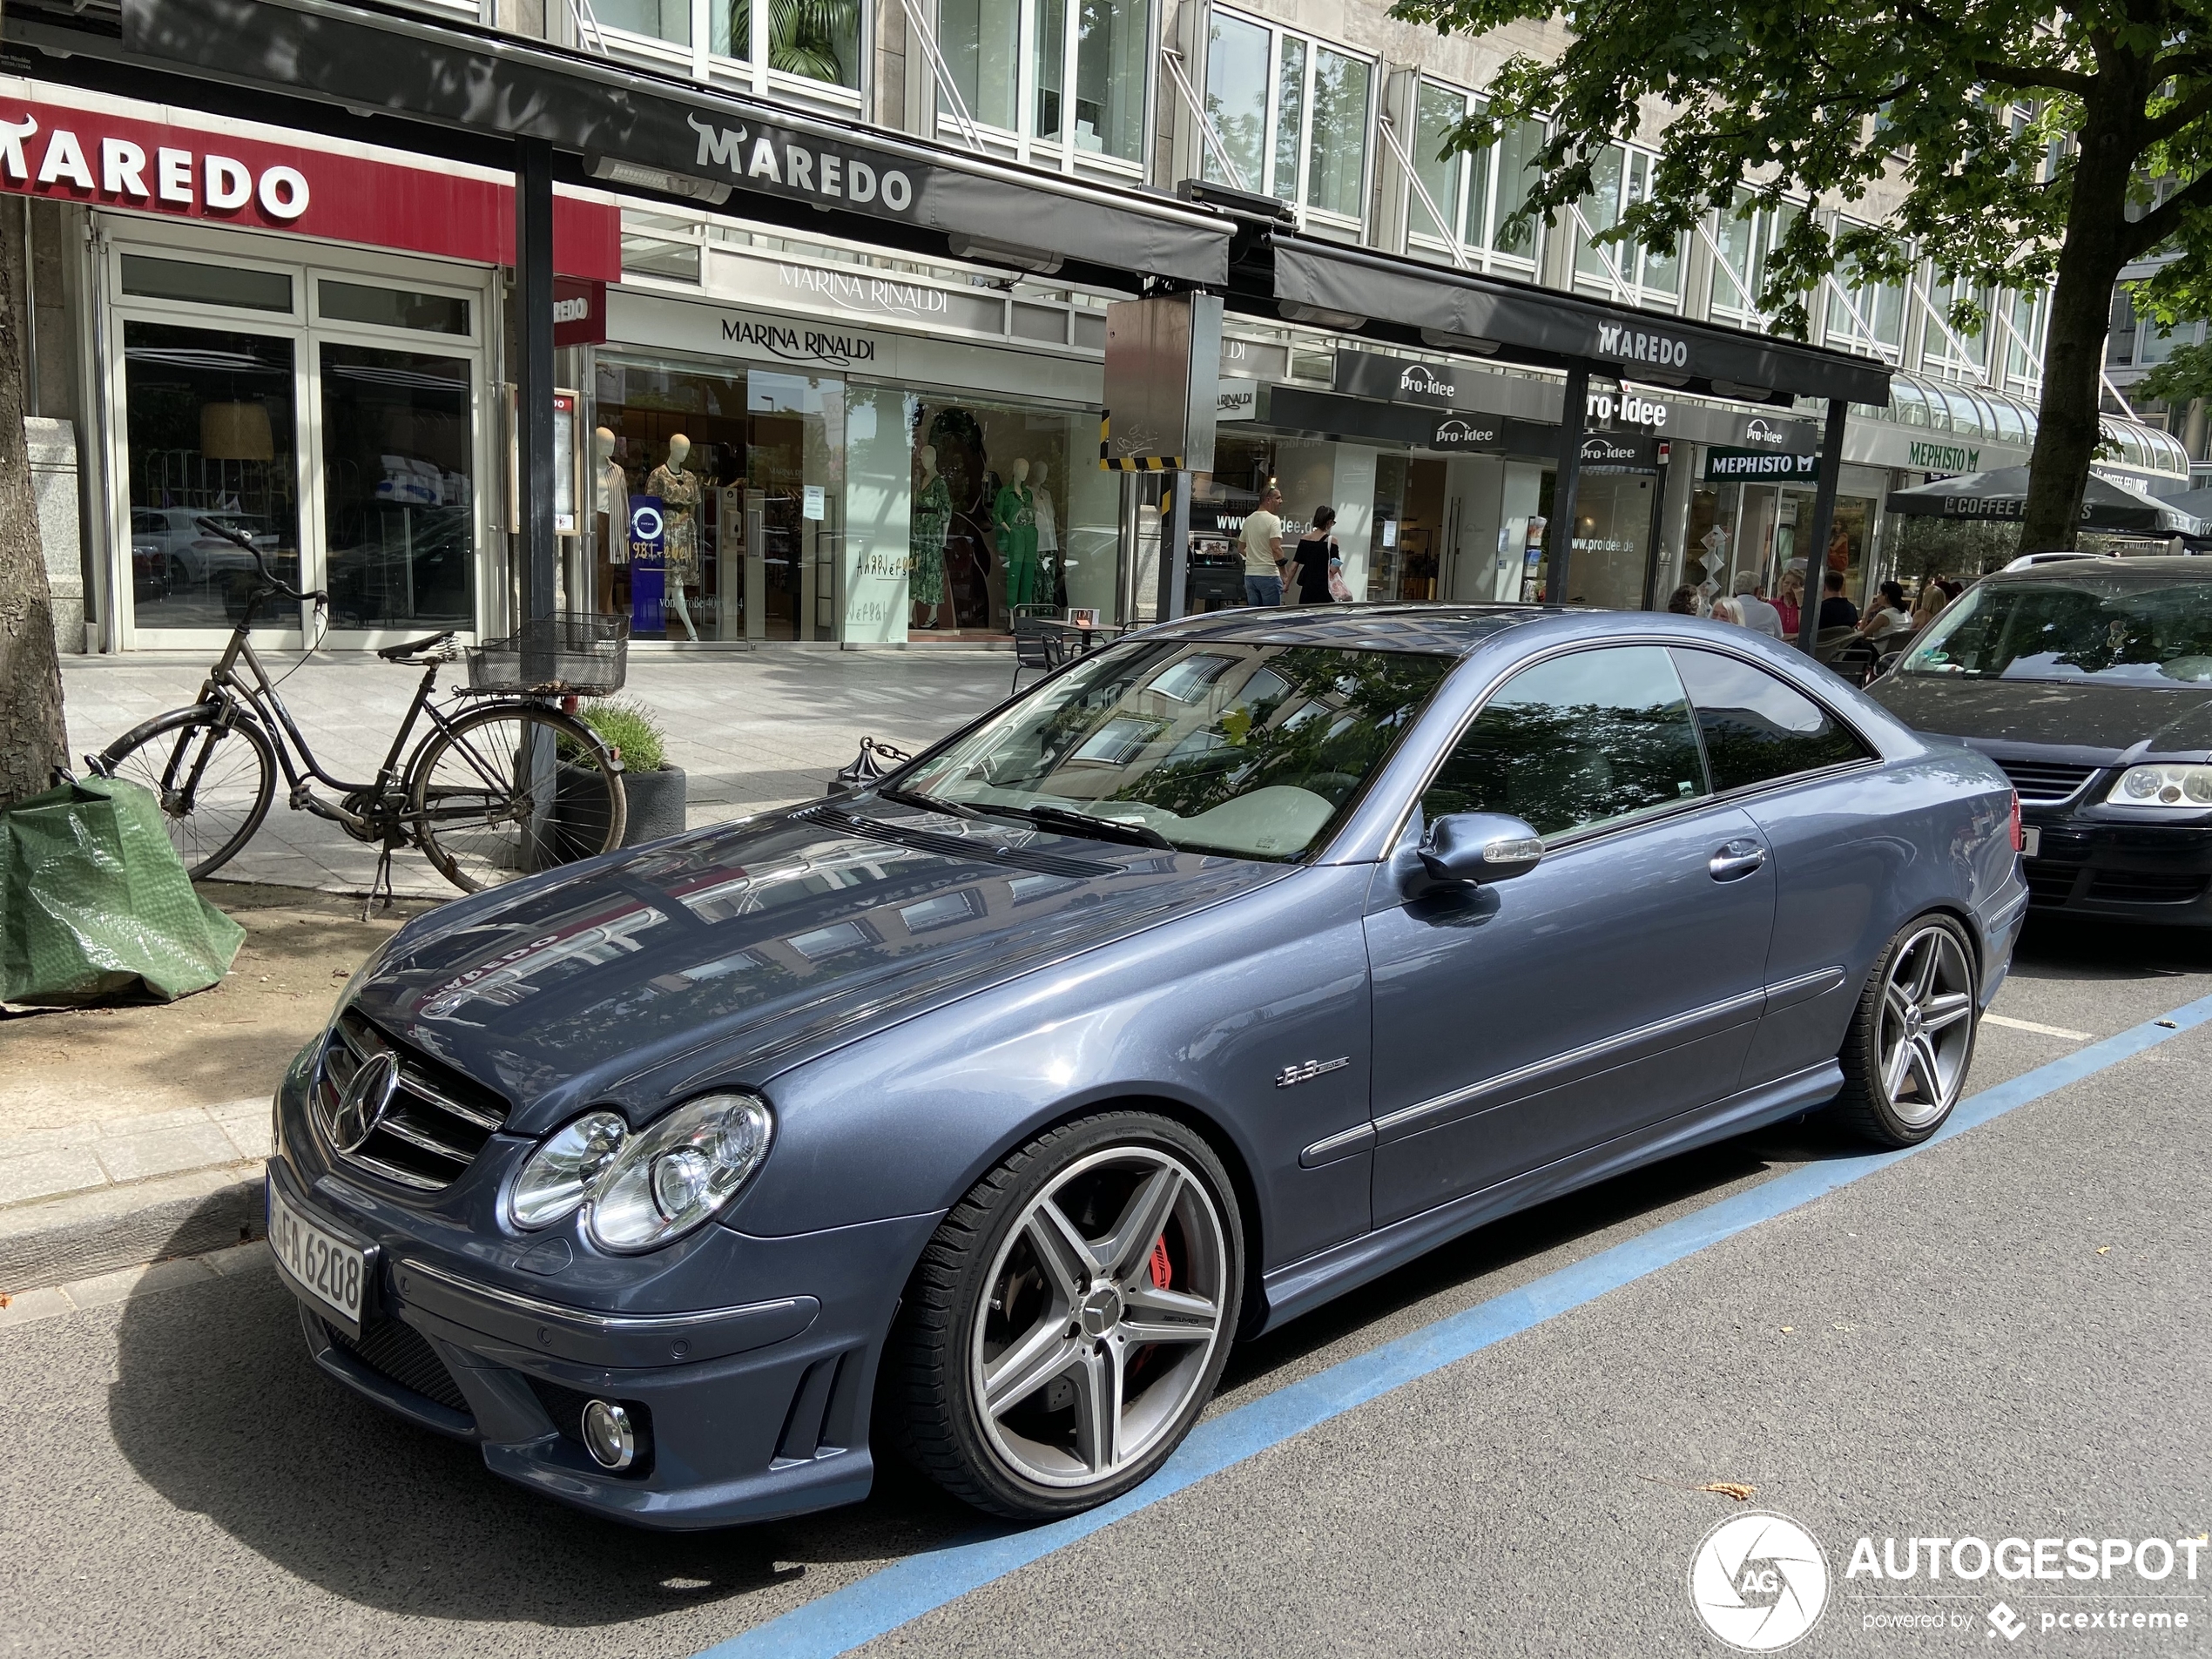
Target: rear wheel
(1071, 1318)
(507, 790)
(213, 770)
(1912, 1038)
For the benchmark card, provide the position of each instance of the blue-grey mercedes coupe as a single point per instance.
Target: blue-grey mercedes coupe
(981, 1109)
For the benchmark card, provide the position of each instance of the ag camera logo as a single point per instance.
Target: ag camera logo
(1759, 1582)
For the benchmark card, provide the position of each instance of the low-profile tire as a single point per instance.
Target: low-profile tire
(1070, 1318)
(1912, 1037)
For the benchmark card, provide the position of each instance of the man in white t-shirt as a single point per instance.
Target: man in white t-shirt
(1263, 542)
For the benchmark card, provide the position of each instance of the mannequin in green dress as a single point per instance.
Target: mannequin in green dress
(1014, 514)
(927, 521)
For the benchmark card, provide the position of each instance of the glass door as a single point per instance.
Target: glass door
(795, 501)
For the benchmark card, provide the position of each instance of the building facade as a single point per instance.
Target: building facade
(841, 442)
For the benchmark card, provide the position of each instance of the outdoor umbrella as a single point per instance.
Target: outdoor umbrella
(2197, 502)
(2002, 494)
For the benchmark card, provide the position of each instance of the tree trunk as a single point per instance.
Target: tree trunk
(2073, 352)
(32, 740)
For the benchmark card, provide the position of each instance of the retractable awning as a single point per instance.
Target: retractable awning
(633, 122)
(1361, 290)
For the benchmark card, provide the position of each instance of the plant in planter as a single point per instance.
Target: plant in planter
(655, 789)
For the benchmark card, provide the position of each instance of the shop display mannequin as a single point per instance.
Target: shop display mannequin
(680, 497)
(1013, 514)
(611, 513)
(932, 513)
(1047, 536)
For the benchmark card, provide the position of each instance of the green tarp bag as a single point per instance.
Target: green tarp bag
(95, 903)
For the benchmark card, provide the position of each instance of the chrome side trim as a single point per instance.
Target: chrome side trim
(1336, 1148)
(608, 1322)
(1803, 988)
(1750, 1003)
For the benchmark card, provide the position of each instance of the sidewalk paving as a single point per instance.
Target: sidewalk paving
(752, 732)
(128, 1133)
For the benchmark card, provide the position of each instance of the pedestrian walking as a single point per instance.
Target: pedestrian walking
(1262, 538)
(1315, 552)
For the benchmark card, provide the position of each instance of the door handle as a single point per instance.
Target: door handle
(1733, 860)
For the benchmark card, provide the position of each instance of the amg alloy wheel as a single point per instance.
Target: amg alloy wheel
(1912, 1038)
(1072, 1317)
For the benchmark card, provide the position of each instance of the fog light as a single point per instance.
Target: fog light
(607, 1435)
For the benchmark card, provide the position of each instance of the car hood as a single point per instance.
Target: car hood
(727, 955)
(2109, 719)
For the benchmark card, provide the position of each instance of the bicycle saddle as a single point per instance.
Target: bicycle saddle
(401, 653)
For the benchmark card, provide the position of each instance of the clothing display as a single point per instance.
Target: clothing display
(1014, 515)
(932, 514)
(680, 498)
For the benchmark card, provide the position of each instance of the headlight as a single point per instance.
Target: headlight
(2187, 787)
(670, 1177)
(559, 1175)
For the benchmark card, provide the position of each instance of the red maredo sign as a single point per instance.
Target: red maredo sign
(221, 176)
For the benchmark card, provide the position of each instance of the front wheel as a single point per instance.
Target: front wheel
(213, 773)
(491, 804)
(1070, 1318)
(1912, 1038)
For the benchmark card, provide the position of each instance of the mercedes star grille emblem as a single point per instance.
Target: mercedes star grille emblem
(367, 1097)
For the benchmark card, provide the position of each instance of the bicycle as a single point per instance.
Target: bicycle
(514, 785)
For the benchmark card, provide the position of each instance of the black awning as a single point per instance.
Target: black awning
(451, 75)
(1356, 288)
(2001, 494)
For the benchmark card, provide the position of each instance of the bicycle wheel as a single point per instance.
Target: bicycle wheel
(213, 777)
(507, 790)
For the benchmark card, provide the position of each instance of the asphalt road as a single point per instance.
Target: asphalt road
(2002, 1336)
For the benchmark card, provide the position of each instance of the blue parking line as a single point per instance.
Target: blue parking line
(844, 1619)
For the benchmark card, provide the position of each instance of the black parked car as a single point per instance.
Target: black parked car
(2090, 681)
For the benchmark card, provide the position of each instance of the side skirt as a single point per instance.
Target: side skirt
(1303, 1285)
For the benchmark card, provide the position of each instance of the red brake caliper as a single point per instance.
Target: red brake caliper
(1162, 1271)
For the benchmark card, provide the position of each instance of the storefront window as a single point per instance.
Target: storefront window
(1614, 518)
(399, 497)
(210, 430)
(1406, 534)
(1753, 530)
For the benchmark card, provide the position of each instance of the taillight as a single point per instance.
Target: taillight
(2020, 836)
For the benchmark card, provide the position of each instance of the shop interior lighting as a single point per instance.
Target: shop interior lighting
(669, 183)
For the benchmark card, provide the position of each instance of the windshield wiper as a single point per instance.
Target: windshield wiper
(927, 803)
(1099, 829)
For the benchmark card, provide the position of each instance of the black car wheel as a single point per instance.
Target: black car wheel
(1070, 1318)
(1912, 1036)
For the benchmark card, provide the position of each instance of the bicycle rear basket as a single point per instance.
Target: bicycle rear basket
(571, 653)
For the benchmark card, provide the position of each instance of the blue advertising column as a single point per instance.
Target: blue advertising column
(648, 566)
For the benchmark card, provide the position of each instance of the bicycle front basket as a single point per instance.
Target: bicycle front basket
(571, 653)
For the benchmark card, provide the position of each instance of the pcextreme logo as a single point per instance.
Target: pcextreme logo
(1759, 1582)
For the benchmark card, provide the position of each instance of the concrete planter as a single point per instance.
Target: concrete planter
(657, 800)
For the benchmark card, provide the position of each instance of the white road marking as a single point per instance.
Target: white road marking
(2041, 1030)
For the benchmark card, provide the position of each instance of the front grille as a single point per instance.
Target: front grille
(438, 1120)
(2048, 883)
(398, 1353)
(2145, 886)
(2047, 781)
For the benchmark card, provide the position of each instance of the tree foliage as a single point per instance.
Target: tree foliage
(1900, 115)
(2181, 378)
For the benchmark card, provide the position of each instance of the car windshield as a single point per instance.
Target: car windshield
(1253, 749)
(2120, 631)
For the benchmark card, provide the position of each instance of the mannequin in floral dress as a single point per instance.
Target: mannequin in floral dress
(680, 497)
(932, 513)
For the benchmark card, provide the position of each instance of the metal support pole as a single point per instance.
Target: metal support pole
(1560, 534)
(1824, 518)
(539, 554)
(1175, 546)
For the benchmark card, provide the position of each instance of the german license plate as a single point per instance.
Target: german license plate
(2031, 841)
(326, 1269)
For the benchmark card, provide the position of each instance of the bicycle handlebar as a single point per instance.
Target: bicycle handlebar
(239, 539)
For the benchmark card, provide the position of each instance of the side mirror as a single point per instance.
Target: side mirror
(1479, 846)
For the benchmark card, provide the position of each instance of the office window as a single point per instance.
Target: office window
(1947, 346)
(1475, 193)
(1864, 317)
(818, 40)
(1097, 47)
(1291, 113)
(1744, 243)
(1620, 178)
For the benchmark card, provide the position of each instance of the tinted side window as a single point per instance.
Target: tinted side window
(1577, 741)
(1757, 728)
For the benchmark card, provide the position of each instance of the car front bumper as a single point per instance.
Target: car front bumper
(750, 1409)
(2123, 872)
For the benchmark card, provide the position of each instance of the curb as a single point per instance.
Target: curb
(89, 1233)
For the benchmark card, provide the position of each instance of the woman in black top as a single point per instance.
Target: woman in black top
(1315, 548)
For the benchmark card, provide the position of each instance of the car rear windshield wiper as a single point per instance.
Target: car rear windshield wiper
(927, 803)
(1099, 829)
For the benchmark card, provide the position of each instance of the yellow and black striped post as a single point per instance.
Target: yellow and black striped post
(1108, 461)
